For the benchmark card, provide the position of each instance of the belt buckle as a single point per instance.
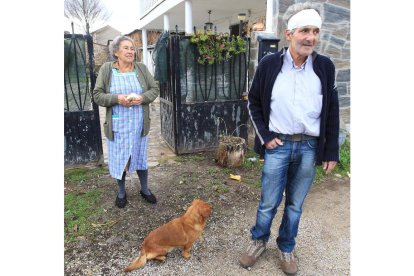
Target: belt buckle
(296, 137)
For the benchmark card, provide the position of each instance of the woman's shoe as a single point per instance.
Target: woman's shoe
(149, 198)
(121, 202)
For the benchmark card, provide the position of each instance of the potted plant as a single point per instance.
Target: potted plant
(231, 149)
(214, 48)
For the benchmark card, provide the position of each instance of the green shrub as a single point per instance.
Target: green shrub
(342, 168)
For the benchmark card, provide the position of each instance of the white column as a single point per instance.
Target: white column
(166, 22)
(188, 17)
(269, 16)
(139, 9)
(144, 46)
(275, 17)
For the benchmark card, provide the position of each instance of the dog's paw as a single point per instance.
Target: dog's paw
(186, 255)
(160, 258)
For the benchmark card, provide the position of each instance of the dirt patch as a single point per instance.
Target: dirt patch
(322, 243)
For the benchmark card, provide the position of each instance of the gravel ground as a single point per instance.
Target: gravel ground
(323, 242)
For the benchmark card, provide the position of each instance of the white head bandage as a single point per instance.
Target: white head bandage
(308, 17)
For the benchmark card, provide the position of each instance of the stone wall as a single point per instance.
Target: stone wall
(101, 55)
(334, 43)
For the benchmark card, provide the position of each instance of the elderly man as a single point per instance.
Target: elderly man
(293, 105)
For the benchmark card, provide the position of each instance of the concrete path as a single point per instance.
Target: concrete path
(157, 147)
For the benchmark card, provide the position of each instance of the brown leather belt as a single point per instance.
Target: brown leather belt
(295, 137)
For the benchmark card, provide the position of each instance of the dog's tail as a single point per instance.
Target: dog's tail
(138, 262)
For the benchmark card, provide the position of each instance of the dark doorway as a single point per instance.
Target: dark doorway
(234, 29)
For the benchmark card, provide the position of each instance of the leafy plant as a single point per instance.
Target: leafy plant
(217, 47)
(345, 156)
(342, 168)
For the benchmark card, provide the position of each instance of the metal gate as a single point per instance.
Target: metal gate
(83, 142)
(200, 102)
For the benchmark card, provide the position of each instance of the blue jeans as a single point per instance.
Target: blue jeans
(289, 167)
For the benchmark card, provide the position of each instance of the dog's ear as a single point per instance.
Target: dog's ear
(204, 210)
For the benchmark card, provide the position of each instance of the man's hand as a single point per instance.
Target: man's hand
(328, 166)
(273, 143)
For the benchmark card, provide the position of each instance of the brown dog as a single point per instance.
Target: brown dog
(179, 232)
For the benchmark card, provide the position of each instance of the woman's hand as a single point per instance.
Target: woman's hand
(137, 100)
(122, 100)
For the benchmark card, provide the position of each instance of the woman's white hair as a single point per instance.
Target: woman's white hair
(114, 46)
(295, 8)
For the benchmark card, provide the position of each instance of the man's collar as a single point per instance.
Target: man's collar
(292, 63)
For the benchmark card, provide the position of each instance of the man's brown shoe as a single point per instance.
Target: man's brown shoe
(288, 263)
(253, 251)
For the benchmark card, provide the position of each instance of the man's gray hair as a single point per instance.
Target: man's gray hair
(114, 46)
(295, 8)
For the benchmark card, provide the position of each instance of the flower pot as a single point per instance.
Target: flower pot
(230, 152)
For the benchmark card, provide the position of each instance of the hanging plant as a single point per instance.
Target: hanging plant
(217, 47)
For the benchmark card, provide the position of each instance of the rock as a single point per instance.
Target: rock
(153, 164)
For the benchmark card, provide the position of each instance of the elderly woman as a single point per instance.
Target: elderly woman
(126, 88)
